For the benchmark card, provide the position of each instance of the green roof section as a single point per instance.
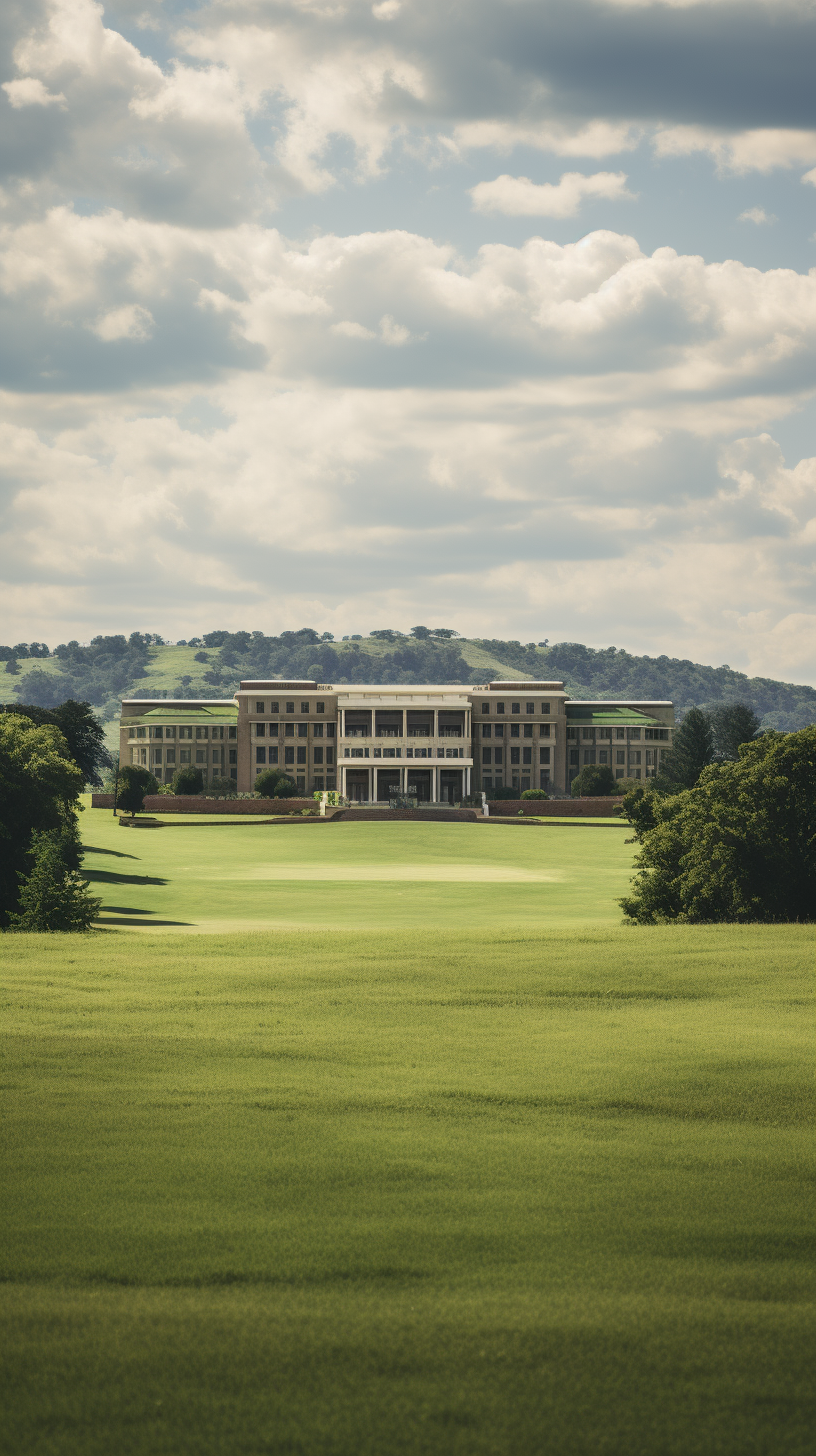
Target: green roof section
(611, 717)
(226, 713)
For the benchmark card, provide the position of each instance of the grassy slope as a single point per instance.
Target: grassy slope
(167, 664)
(223, 877)
(478, 1191)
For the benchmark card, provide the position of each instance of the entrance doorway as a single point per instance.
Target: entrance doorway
(419, 784)
(450, 785)
(388, 784)
(357, 785)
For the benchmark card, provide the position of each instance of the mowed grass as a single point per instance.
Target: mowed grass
(470, 1190)
(218, 877)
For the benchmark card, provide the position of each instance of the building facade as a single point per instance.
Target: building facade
(433, 742)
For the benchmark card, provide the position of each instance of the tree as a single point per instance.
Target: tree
(53, 896)
(81, 729)
(732, 725)
(39, 790)
(13, 666)
(595, 779)
(134, 783)
(188, 780)
(273, 783)
(740, 846)
(691, 752)
(423, 633)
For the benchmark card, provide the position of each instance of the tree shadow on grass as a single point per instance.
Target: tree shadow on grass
(104, 922)
(110, 877)
(96, 849)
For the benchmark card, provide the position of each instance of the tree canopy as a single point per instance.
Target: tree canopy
(39, 789)
(81, 730)
(739, 846)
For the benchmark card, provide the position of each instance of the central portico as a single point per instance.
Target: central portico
(395, 743)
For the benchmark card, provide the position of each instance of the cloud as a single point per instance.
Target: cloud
(131, 321)
(519, 197)
(757, 215)
(740, 152)
(30, 91)
(597, 138)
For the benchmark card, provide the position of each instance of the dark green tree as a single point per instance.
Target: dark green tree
(740, 846)
(81, 729)
(273, 783)
(188, 780)
(733, 724)
(595, 779)
(53, 896)
(39, 790)
(691, 752)
(134, 783)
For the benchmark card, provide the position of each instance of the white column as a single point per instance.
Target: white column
(434, 781)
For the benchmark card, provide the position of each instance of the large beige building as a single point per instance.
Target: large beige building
(433, 742)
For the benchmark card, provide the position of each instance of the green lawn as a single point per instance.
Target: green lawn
(192, 876)
(511, 1190)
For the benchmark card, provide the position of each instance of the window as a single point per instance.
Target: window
(662, 733)
(528, 730)
(498, 755)
(515, 755)
(544, 730)
(303, 730)
(589, 755)
(620, 756)
(485, 707)
(201, 732)
(515, 707)
(634, 733)
(185, 733)
(260, 755)
(637, 773)
(154, 733)
(301, 783)
(618, 773)
(603, 756)
(544, 780)
(259, 707)
(170, 756)
(233, 755)
(260, 730)
(525, 782)
(331, 782)
(487, 730)
(271, 752)
(649, 756)
(487, 757)
(318, 755)
(288, 755)
(289, 730)
(545, 708)
(304, 707)
(301, 755)
(157, 755)
(201, 755)
(290, 707)
(530, 707)
(588, 733)
(572, 732)
(634, 758)
(318, 783)
(218, 755)
(543, 755)
(515, 730)
(500, 707)
(574, 756)
(317, 730)
(184, 755)
(141, 732)
(330, 730)
(498, 729)
(330, 755)
(391, 753)
(487, 781)
(527, 757)
(358, 753)
(233, 773)
(273, 707)
(620, 732)
(320, 707)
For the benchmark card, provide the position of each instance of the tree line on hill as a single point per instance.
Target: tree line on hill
(110, 667)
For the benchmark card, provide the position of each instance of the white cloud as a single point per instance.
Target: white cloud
(131, 321)
(519, 197)
(810, 177)
(757, 215)
(760, 150)
(596, 138)
(30, 91)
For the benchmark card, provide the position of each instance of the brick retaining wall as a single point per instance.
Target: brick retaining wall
(558, 808)
(188, 804)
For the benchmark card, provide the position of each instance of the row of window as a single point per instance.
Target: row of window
(517, 755)
(516, 707)
(272, 707)
(601, 735)
(185, 731)
(496, 730)
(185, 755)
(409, 753)
(271, 755)
(273, 730)
(526, 781)
(608, 756)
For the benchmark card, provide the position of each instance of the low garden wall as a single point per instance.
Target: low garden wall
(193, 804)
(558, 808)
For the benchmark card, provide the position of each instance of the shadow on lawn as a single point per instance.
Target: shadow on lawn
(119, 853)
(110, 877)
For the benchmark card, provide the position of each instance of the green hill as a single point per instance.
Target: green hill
(143, 665)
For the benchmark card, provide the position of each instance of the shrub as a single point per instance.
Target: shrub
(273, 783)
(54, 896)
(738, 847)
(535, 794)
(504, 794)
(188, 780)
(134, 783)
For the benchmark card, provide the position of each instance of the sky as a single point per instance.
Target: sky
(497, 315)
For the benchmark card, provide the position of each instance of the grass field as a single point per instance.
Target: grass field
(263, 876)
(469, 1169)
